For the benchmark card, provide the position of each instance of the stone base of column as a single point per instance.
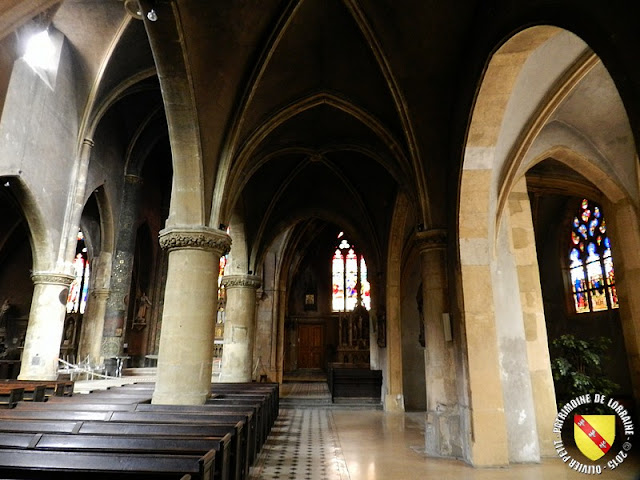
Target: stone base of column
(236, 363)
(442, 433)
(179, 398)
(394, 403)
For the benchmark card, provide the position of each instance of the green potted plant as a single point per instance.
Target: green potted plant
(577, 370)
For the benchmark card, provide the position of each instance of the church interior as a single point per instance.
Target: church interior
(432, 207)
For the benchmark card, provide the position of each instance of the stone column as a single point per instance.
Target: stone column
(534, 330)
(239, 327)
(92, 325)
(186, 340)
(46, 323)
(121, 270)
(442, 432)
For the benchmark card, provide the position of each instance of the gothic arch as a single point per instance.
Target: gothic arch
(38, 233)
(506, 112)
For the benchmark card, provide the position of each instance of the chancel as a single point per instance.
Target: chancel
(419, 216)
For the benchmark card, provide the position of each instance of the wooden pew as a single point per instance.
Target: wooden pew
(31, 393)
(10, 396)
(104, 423)
(226, 407)
(58, 465)
(51, 387)
(229, 406)
(203, 418)
(115, 412)
(174, 445)
(354, 380)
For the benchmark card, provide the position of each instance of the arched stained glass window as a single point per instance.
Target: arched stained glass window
(349, 274)
(79, 288)
(590, 261)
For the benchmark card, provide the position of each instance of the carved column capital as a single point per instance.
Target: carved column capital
(431, 239)
(52, 278)
(195, 237)
(244, 281)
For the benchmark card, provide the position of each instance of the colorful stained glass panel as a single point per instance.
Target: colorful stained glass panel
(590, 262)
(365, 291)
(338, 281)
(351, 279)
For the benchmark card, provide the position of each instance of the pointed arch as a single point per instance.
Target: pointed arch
(39, 235)
(228, 178)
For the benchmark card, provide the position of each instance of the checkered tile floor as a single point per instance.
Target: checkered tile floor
(303, 445)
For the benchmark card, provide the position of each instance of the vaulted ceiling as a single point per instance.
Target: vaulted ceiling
(305, 109)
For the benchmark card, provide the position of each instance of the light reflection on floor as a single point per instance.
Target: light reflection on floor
(323, 444)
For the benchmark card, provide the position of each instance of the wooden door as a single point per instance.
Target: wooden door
(310, 346)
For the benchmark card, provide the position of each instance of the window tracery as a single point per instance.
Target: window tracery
(591, 262)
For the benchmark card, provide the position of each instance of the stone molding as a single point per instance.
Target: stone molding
(431, 239)
(202, 238)
(52, 278)
(132, 179)
(100, 293)
(242, 281)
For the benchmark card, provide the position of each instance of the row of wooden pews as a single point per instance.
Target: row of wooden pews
(118, 433)
(14, 391)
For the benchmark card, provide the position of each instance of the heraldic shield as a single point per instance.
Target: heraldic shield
(594, 434)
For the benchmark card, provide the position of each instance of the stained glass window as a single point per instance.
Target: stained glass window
(79, 288)
(338, 280)
(365, 287)
(349, 277)
(590, 261)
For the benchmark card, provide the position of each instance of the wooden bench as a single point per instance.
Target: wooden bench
(257, 427)
(51, 388)
(227, 406)
(59, 465)
(174, 445)
(131, 423)
(10, 396)
(243, 412)
(353, 381)
(31, 392)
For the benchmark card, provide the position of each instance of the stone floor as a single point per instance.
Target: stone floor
(335, 444)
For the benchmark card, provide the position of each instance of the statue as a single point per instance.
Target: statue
(143, 304)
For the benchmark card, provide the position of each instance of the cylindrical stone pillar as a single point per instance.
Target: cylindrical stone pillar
(92, 325)
(442, 409)
(46, 323)
(239, 327)
(190, 303)
(121, 270)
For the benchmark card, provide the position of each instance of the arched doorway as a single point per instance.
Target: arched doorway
(15, 283)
